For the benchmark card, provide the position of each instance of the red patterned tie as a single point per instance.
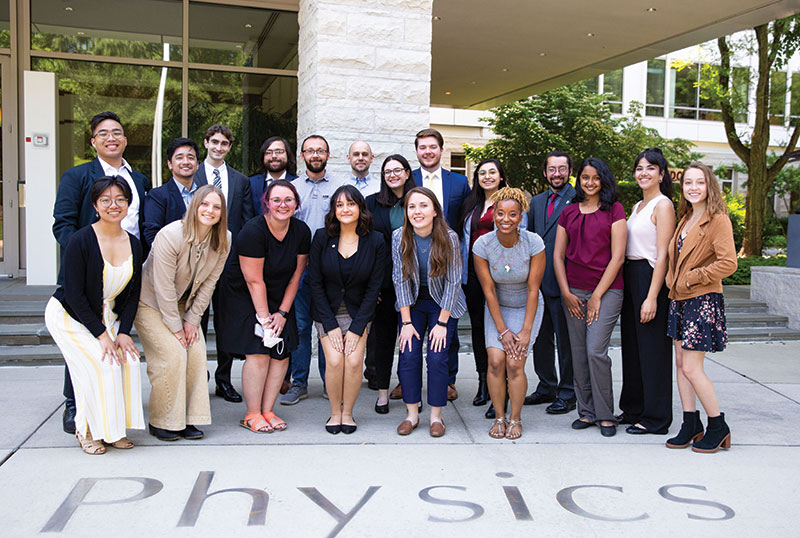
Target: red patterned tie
(551, 204)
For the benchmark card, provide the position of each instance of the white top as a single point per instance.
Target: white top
(642, 244)
(131, 221)
(223, 175)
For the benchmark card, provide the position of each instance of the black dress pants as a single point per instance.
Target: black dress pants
(554, 333)
(384, 332)
(646, 395)
(476, 303)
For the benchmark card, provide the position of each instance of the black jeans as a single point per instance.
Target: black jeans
(476, 304)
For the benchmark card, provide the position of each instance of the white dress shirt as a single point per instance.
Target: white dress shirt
(131, 221)
(223, 174)
(437, 188)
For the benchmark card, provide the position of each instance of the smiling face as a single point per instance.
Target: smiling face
(109, 140)
(111, 205)
(648, 175)
(557, 172)
(420, 212)
(315, 154)
(217, 146)
(281, 203)
(210, 209)
(694, 185)
(183, 164)
(489, 178)
(347, 211)
(395, 175)
(507, 216)
(275, 157)
(360, 158)
(590, 182)
(429, 152)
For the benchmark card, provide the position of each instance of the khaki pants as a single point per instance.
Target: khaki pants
(178, 376)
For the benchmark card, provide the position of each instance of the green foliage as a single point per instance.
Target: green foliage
(735, 203)
(574, 120)
(742, 274)
(628, 193)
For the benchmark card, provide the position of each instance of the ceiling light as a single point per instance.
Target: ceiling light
(590, 34)
(437, 18)
(651, 10)
(81, 33)
(448, 92)
(473, 82)
(68, 8)
(505, 70)
(542, 54)
(248, 25)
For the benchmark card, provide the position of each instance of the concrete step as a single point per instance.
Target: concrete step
(50, 354)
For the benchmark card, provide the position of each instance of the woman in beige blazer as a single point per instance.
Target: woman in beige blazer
(178, 279)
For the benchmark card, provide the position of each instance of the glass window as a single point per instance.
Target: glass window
(255, 107)
(684, 95)
(725, 177)
(740, 88)
(794, 105)
(86, 88)
(234, 35)
(612, 86)
(458, 163)
(5, 24)
(119, 28)
(777, 97)
(656, 73)
(592, 85)
(710, 98)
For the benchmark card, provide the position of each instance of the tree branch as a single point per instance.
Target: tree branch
(742, 151)
(778, 165)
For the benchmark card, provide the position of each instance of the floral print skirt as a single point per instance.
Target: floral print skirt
(699, 322)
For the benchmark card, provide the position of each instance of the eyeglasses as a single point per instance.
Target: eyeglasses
(276, 152)
(315, 151)
(394, 172)
(553, 169)
(288, 202)
(104, 134)
(106, 202)
(482, 173)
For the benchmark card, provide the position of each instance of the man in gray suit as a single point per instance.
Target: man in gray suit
(546, 207)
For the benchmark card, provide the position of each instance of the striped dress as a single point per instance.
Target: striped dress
(108, 397)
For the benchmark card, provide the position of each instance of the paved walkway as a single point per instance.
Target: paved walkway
(306, 483)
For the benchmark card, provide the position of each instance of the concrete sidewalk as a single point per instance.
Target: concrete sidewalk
(302, 482)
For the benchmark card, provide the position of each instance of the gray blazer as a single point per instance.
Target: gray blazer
(445, 289)
(546, 228)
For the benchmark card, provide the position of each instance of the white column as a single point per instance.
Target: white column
(364, 73)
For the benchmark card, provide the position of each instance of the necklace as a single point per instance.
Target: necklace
(505, 252)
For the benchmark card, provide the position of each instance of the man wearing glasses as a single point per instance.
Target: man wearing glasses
(545, 209)
(315, 188)
(279, 163)
(73, 208)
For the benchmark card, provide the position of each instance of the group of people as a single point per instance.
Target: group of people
(368, 262)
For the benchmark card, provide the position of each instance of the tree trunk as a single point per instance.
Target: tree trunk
(755, 203)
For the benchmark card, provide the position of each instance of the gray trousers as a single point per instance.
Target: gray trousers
(591, 364)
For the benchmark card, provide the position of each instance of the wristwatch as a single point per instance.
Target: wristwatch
(442, 324)
(283, 313)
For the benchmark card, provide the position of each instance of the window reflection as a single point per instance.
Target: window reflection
(5, 24)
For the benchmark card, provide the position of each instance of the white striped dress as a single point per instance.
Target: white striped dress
(108, 397)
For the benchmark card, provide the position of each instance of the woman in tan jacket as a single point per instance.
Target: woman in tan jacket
(178, 279)
(701, 254)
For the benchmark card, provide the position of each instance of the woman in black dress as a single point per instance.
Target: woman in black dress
(273, 252)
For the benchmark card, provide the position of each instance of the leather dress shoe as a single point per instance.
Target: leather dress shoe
(536, 398)
(406, 427)
(560, 406)
(608, 431)
(437, 429)
(396, 393)
(225, 390)
(164, 435)
(579, 424)
(381, 409)
(490, 412)
(68, 418)
(452, 393)
(192, 433)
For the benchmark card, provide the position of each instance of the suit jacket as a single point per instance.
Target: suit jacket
(162, 206)
(173, 269)
(240, 209)
(382, 225)
(539, 223)
(455, 188)
(73, 209)
(359, 289)
(257, 190)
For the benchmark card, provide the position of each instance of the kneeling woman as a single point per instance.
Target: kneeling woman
(90, 318)
(701, 254)
(345, 271)
(427, 280)
(510, 264)
(178, 279)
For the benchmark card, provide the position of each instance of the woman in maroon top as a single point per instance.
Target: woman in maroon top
(476, 220)
(591, 236)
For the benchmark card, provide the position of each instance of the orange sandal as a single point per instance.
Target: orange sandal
(256, 423)
(269, 417)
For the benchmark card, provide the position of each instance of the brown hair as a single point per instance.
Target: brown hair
(219, 232)
(221, 129)
(441, 248)
(425, 133)
(279, 183)
(510, 193)
(350, 193)
(715, 201)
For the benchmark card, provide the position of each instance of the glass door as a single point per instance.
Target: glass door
(9, 207)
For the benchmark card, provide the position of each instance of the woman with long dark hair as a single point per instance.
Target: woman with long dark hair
(587, 260)
(345, 272)
(426, 272)
(646, 396)
(386, 207)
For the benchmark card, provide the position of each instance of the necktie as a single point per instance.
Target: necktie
(428, 183)
(551, 204)
(217, 179)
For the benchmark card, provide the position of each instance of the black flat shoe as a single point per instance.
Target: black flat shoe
(349, 428)
(225, 390)
(382, 409)
(333, 429)
(164, 435)
(579, 424)
(68, 418)
(560, 406)
(633, 429)
(608, 431)
(622, 419)
(191, 433)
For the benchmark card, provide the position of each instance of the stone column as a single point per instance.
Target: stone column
(364, 73)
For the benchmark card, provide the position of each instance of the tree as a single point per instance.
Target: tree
(775, 43)
(574, 120)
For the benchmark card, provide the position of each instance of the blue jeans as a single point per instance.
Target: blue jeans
(424, 315)
(301, 357)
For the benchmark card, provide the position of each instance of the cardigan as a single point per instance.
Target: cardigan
(444, 289)
(81, 295)
(176, 267)
(359, 290)
(708, 255)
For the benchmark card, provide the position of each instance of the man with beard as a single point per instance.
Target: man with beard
(279, 163)
(360, 158)
(545, 209)
(315, 189)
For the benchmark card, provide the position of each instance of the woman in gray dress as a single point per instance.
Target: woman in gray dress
(510, 264)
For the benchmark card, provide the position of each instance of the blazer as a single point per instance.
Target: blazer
(175, 268)
(162, 205)
(81, 295)
(240, 210)
(359, 289)
(444, 289)
(73, 209)
(257, 190)
(382, 225)
(539, 223)
(708, 255)
(455, 188)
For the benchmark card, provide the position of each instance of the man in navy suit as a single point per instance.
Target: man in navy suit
(73, 208)
(238, 199)
(279, 163)
(546, 207)
(450, 188)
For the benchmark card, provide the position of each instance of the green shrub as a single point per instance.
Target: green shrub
(742, 274)
(774, 241)
(735, 203)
